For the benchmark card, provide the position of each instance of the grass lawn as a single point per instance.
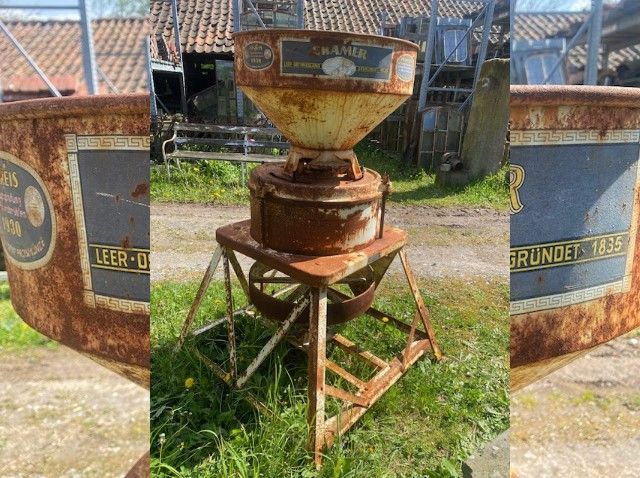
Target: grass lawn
(425, 425)
(220, 182)
(14, 333)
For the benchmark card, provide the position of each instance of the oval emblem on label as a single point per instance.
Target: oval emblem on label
(258, 56)
(406, 68)
(27, 223)
(339, 67)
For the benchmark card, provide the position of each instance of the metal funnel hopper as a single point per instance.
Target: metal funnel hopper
(325, 91)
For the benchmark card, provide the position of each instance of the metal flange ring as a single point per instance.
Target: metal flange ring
(361, 283)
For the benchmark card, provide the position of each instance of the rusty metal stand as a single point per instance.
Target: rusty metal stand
(316, 275)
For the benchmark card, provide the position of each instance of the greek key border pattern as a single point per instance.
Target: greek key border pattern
(90, 298)
(559, 137)
(78, 206)
(569, 298)
(130, 143)
(122, 305)
(74, 144)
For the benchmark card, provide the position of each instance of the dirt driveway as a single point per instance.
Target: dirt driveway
(582, 421)
(442, 241)
(62, 415)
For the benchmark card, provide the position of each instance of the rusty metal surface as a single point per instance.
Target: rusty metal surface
(314, 271)
(272, 75)
(317, 372)
(142, 468)
(275, 339)
(325, 217)
(204, 285)
(50, 295)
(325, 91)
(231, 331)
(586, 117)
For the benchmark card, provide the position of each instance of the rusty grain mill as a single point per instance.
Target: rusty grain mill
(317, 220)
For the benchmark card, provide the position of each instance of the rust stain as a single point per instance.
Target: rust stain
(271, 76)
(323, 116)
(140, 190)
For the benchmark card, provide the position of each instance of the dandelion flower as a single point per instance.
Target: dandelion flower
(188, 383)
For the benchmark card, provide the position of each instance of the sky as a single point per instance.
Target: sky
(92, 6)
(557, 5)
(59, 14)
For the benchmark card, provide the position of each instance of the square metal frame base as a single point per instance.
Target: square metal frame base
(319, 274)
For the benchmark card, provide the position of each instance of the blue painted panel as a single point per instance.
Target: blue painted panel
(573, 229)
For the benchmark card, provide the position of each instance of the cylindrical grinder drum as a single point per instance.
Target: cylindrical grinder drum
(325, 217)
(74, 223)
(575, 248)
(325, 91)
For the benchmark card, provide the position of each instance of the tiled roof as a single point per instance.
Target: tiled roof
(362, 16)
(537, 26)
(55, 46)
(206, 26)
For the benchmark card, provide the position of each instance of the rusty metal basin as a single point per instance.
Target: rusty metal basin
(575, 248)
(74, 223)
(325, 91)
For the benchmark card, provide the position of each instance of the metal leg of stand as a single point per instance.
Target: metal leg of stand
(422, 308)
(233, 363)
(204, 285)
(317, 369)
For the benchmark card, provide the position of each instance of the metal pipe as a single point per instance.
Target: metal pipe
(482, 54)
(464, 37)
(568, 48)
(39, 7)
(300, 8)
(237, 27)
(595, 35)
(484, 43)
(103, 76)
(176, 35)
(152, 88)
(54, 91)
(255, 12)
(428, 56)
(88, 55)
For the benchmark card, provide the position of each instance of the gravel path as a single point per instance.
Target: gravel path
(62, 415)
(582, 421)
(442, 241)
